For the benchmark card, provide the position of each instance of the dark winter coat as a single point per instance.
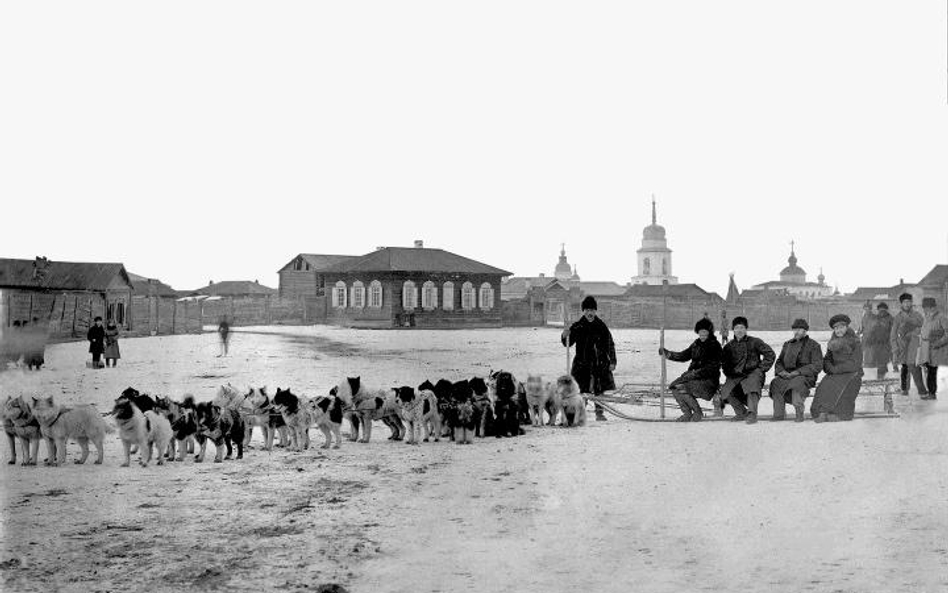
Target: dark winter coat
(906, 330)
(745, 363)
(837, 391)
(703, 376)
(803, 357)
(595, 352)
(96, 337)
(746, 355)
(876, 338)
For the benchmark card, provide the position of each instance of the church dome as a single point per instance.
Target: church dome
(563, 270)
(793, 272)
(654, 232)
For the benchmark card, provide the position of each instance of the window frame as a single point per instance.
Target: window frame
(375, 284)
(447, 296)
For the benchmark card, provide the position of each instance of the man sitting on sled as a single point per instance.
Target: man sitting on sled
(703, 375)
(746, 362)
(798, 365)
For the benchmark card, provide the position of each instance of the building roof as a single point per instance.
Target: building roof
(143, 286)
(732, 291)
(414, 259)
(672, 290)
(42, 274)
(602, 288)
(781, 284)
(319, 261)
(517, 287)
(235, 288)
(937, 277)
(871, 293)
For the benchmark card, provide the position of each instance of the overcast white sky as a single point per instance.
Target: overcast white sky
(215, 140)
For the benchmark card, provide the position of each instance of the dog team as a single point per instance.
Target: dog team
(162, 429)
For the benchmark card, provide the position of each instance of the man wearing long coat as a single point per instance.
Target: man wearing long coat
(595, 358)
(797, 367)
(905, 339)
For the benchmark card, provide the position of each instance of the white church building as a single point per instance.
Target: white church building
(654, 257)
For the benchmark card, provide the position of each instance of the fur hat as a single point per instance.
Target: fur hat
(906, 297)
(929, 303)
(881, 306)
(704, 323)
(739, 320)
(589, 303)
(840, 318)
(801, 324)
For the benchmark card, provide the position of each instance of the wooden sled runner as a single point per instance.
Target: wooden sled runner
(647, 397)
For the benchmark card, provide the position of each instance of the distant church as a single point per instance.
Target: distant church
(793, 281)
(654, 257)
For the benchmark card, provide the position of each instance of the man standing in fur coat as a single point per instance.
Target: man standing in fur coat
(595, 358)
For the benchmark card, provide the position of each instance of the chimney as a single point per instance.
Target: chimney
(419, 244)
(209, 282)
(901, 280)
(380, 248)
(256, 282)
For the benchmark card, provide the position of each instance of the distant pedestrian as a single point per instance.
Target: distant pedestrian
(96, 337)
(835, 397)
(703, 376)
(595, 358)
(799, 364)
(746, 362)
(933, 349)
(223, 332)
(112, 344)
(876, 334)
(905, 338)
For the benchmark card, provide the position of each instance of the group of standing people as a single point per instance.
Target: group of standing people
(103, 343)
(916, 343)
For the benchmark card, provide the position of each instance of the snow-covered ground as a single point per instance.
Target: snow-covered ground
(616, 506)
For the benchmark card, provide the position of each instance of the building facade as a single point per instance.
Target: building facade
(65, 297)
(302, 277)
(413, 287)
(553, 300)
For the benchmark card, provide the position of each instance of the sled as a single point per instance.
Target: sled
(647, 397)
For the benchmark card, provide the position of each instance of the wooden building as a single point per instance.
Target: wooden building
(413, 287)
(304, 275)
(66, 296)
